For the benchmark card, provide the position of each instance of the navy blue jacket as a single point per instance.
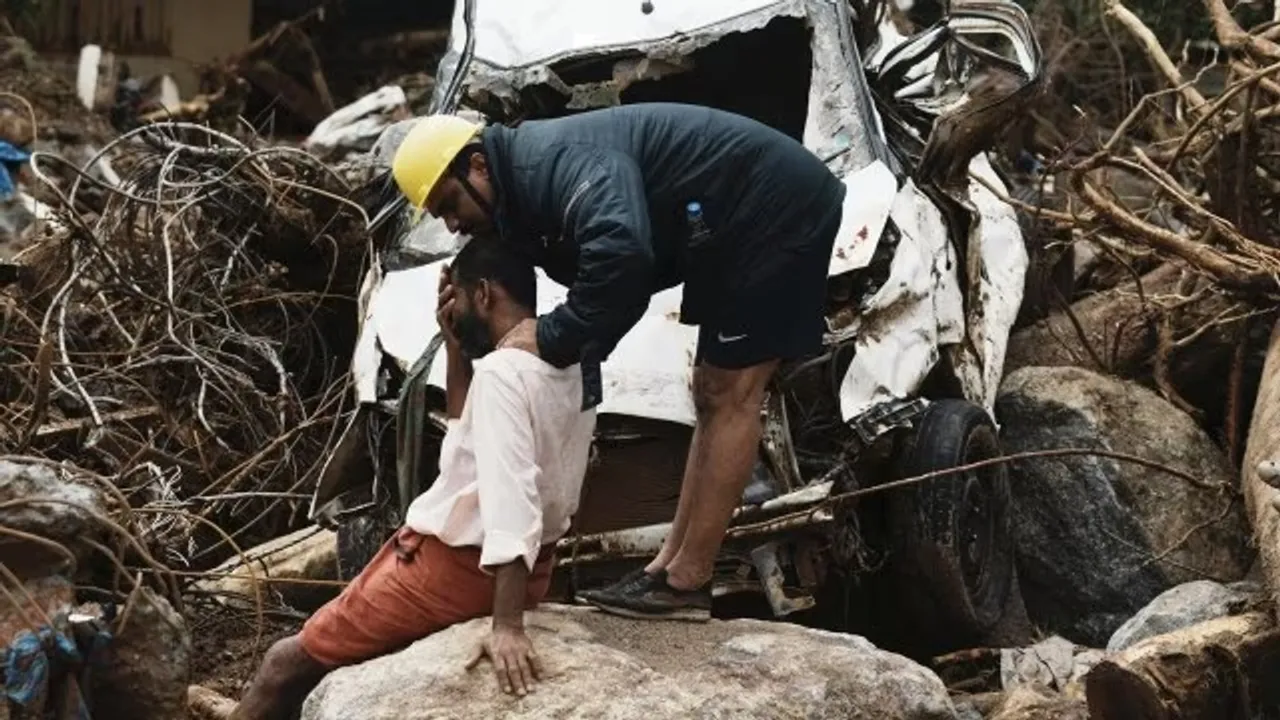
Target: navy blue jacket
(599, 200)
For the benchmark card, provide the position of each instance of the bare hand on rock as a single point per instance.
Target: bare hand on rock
(514, 661)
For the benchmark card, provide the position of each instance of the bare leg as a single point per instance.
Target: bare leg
(721, 457)
(688, 489)
(287, 674)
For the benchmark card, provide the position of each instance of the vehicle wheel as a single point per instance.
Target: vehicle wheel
(951, 552)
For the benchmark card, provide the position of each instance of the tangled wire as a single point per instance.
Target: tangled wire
(190, 338)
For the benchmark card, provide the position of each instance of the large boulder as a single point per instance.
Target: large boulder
(1186, 605)
(1098, 538)
(600, 666)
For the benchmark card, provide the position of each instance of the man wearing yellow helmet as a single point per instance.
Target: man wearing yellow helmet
(618, 204)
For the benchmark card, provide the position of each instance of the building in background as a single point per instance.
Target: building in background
(153, 37)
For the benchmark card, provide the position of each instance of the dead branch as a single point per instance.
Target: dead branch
(1233, 37)
(1151, 45)
(1195, 672)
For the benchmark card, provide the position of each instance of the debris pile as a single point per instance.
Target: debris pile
(191, 338)
(29, 84)
(89, 612)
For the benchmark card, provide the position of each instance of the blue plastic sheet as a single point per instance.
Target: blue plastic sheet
(11, 157)
(32, 660)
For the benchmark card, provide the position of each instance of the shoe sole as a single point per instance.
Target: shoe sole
(682, 615)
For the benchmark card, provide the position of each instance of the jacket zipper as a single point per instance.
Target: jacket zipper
(568, 208)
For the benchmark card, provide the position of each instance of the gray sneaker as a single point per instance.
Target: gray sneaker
(651, 598)
(624, 584)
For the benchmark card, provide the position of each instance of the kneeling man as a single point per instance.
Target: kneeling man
(480, 540)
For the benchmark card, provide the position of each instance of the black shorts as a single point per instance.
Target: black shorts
(778, 315)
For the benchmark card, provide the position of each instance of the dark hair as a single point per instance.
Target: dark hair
(493, 260)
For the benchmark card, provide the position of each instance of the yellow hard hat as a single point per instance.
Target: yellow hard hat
(425, 154)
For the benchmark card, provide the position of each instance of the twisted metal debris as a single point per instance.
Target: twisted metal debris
(189, 335)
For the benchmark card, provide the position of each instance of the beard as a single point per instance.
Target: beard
(473, 336)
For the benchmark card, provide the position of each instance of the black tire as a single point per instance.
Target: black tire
(951, 553)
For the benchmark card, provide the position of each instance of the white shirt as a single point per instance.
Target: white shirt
(511, 467)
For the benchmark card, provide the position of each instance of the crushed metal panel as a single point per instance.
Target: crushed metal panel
(1002, 258)
(898, 335)
(366, 358)
(513, 34)
(840, 122)
(360, 122)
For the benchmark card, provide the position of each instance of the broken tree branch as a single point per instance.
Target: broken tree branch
(1151, 46)
(1233, 37)
(1196, 672)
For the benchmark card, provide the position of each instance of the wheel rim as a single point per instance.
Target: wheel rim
(977, 526)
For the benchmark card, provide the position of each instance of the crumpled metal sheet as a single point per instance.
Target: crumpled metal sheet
(979, 363)
(1054, 663)
(912, 319)
(898, 335)
(919, 312)
(869, 198)
(514, 34)
(359, 124)
(509, 55)
(840, 118)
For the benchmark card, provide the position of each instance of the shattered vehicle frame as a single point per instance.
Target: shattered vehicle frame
(925, 282)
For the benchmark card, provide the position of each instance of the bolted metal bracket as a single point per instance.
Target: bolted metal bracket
(769, 569)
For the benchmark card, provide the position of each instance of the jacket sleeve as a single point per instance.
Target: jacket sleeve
(602, 201)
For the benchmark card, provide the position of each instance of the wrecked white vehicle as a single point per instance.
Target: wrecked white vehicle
(925, 282)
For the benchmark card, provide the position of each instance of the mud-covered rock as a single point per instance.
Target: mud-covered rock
(1183, 606)
(1098, 538)
(598, 666)
(148, 666)
(53, 505)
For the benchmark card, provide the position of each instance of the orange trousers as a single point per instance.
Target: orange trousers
(415, 586)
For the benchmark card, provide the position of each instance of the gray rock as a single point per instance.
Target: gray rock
(149, 665)
(1098, 538)
(601, 667)
(15, 221)
(67, 518)
(1183, 606)
(966, 710)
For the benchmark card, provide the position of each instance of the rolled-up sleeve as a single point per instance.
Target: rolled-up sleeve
(506, 469)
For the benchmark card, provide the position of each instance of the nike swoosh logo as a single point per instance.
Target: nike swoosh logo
(721, 337)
